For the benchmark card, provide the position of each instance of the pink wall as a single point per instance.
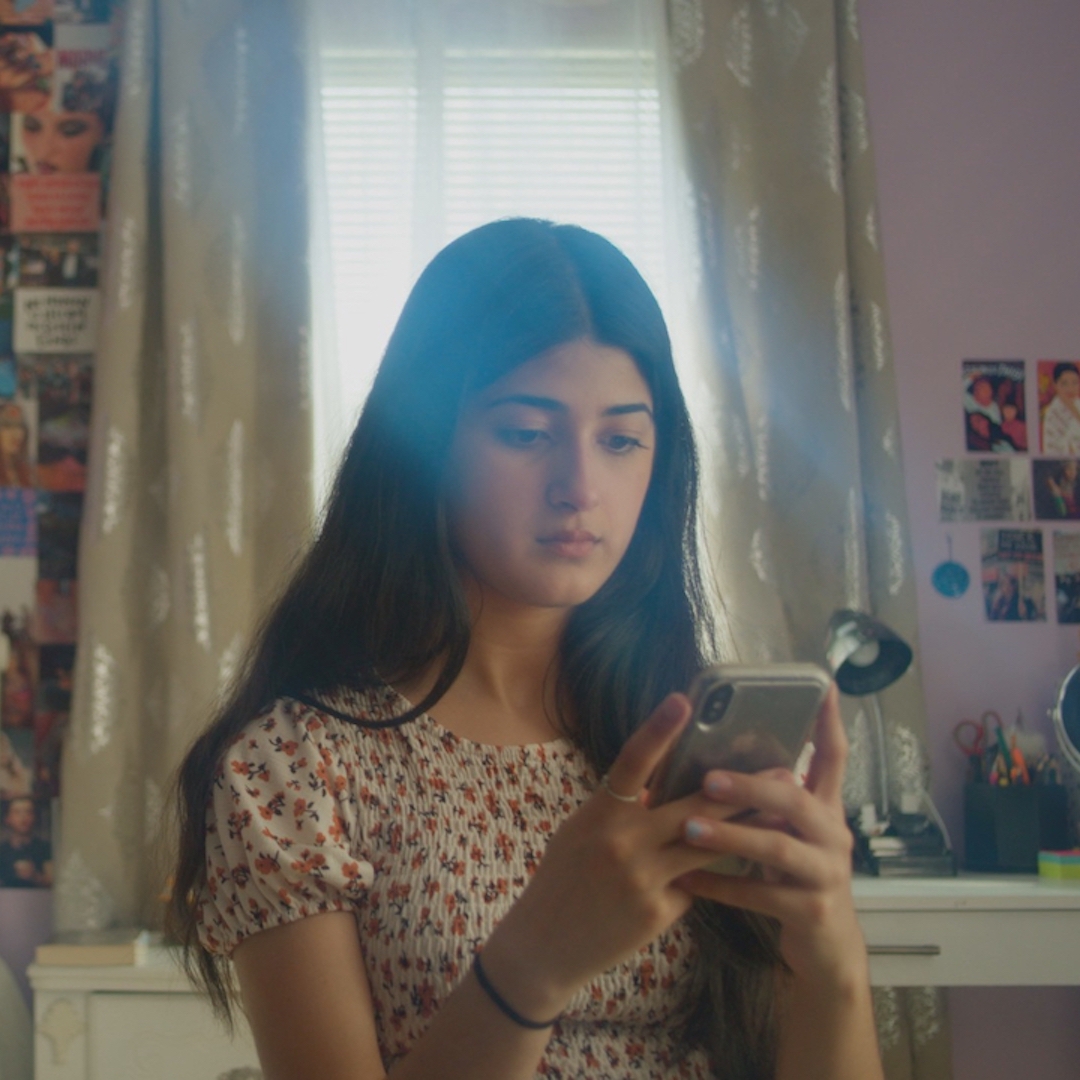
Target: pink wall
(973, 110)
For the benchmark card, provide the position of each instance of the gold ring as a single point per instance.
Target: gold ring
(614, 794)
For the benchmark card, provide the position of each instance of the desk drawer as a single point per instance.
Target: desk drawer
(973, 948)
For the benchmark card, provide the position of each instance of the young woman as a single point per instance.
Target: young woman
(397, 826)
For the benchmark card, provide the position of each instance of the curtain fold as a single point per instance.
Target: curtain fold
(805, 503)
(199, 489)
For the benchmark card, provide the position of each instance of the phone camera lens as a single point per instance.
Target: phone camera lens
(716, 704)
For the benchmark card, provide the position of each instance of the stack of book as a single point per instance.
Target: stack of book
(925, 855)
(122, 947)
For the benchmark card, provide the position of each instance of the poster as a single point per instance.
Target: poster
(59, 260)
(1059, 407)
(994, 413)
(56, 320)
(56, 202)
(1067, 576)
(984, 489)
(1013, 579)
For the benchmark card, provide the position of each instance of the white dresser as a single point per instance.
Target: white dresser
(131, 1023)
(144, 1023)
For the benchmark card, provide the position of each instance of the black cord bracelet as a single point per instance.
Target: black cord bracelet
(504, 1006)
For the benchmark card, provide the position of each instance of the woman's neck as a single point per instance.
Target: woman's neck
(506, 691)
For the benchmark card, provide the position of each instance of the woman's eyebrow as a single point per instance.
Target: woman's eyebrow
(534, 401)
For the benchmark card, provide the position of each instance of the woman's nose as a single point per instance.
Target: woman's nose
(573, 485)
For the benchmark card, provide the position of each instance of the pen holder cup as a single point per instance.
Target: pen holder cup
(1006, 827)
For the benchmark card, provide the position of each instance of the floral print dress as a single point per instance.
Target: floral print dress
(428, 838)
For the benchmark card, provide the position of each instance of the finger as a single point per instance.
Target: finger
(808, 814)
(645, 749)
(826, 777)
(806, 864)
(743, 892)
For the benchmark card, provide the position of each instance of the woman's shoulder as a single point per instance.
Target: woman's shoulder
(336, 720)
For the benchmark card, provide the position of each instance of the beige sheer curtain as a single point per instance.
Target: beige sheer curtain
(805, 507)
(199, 490)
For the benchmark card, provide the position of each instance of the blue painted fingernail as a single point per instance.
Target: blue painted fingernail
(696, 830)
(718, 784)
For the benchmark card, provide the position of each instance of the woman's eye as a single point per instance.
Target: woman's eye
(31, 124)
(623, 444)
(72, 128)
(523, 438)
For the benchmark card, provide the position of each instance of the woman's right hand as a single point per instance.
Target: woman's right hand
(605, 886)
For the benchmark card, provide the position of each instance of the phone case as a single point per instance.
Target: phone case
(744, 719)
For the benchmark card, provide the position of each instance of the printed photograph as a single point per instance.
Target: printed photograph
(1067, 576)
(18, 440)
(58, 534)
(1013, 577)
(1059, 406)
(82, 11)
(25, 845)
(984, 489)
(58, 259)
(55, 615)
(64, 388)
(25, 12)
(27, 66)
(18, 522)
(56, 666)
(16, 762)
(19, 673)
(49, 731)
(1056, 485)
(994, 416)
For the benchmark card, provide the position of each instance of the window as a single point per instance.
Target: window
(426, 135)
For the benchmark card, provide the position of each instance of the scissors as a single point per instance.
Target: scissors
(975, 740)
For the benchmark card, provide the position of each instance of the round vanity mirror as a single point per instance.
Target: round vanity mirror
(1066, 717)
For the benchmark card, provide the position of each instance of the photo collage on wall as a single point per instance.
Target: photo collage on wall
(58, 92)
(1018, 473)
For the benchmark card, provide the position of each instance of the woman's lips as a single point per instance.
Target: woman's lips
(570, 543)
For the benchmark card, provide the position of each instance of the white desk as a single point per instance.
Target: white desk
(974, 930)
(143, 1023)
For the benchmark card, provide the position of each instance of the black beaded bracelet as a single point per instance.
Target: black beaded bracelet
(504, 1006)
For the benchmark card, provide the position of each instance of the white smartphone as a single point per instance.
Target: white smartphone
(745, 719)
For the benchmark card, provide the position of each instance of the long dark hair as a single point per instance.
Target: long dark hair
(377, 598)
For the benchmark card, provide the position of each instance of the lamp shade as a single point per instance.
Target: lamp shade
(863, 654)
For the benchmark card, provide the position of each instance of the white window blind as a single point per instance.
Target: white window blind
(421, 144)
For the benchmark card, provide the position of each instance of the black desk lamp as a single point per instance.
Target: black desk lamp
(865, 656)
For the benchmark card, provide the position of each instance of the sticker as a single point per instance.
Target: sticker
(950, 578)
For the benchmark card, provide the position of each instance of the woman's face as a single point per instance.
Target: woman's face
(61, 142)
(1068, 385)
(548, 472)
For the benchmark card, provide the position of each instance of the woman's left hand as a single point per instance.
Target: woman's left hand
(801, 838)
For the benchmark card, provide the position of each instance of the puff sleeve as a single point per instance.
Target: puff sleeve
(281, 830)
